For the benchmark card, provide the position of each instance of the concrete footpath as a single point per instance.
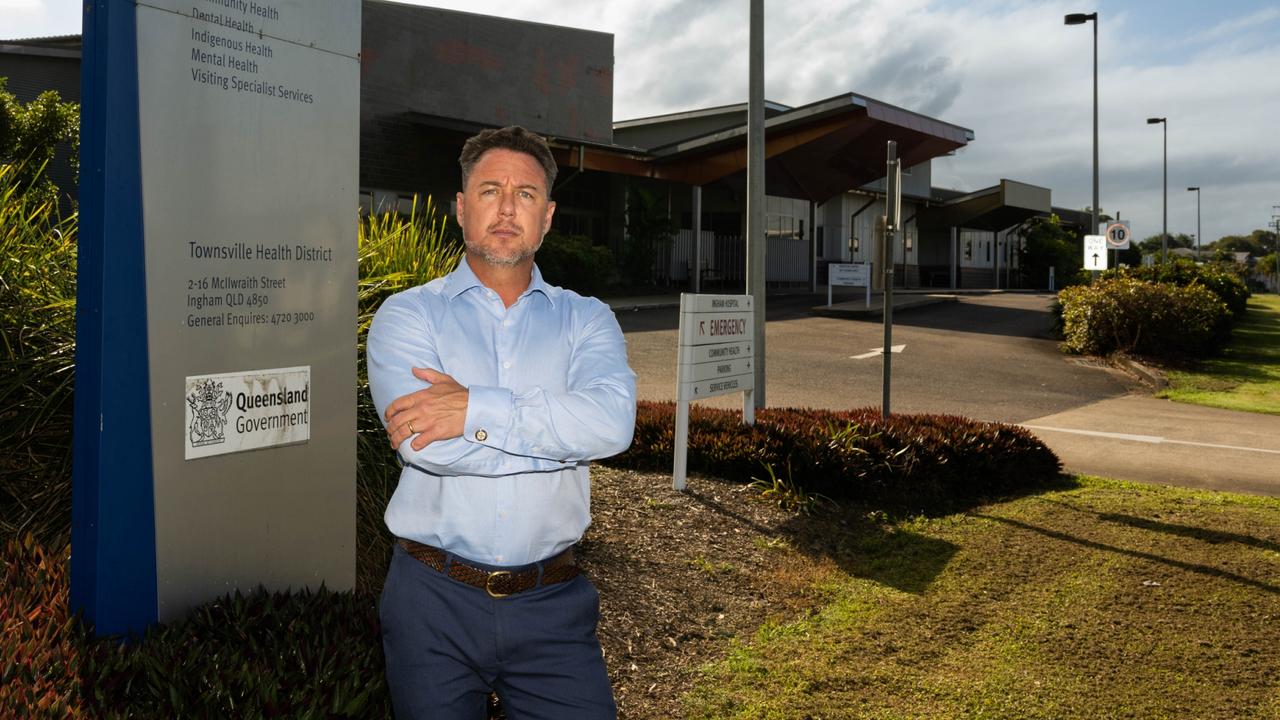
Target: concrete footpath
(1136, 437)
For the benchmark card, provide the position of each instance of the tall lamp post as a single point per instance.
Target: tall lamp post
(1275, 222)
(1196, 190)
(1164, 222)
(1080, 19)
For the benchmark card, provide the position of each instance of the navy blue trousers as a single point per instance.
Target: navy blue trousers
(448, 645)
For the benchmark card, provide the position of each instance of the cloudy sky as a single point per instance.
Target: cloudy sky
(1008, 70)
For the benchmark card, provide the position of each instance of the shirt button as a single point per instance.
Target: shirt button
(506, 364)
(481, 436)
(506, 323)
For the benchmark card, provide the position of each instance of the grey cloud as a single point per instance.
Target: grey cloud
(928, 86)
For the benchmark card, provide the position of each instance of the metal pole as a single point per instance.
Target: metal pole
(1164, 219)
(1275, 221)
(1197, 224)
(1095, 123)
(755, 191)
(697, 238)
(1080, 19)
(893, 193)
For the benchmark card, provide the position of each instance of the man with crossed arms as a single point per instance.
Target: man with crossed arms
(496, 389)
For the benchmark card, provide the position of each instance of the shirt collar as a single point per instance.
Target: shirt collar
(463, 279)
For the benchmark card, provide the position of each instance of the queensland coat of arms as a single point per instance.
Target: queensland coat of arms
(209, 405)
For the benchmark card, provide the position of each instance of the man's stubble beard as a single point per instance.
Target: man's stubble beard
(492, 258)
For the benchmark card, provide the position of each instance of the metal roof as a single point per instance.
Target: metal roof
(65, 46)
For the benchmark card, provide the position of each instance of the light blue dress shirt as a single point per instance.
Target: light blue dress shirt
(550, 390)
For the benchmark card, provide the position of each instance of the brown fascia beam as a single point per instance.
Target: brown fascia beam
(704, 169)
(594, 158)
(691, 169)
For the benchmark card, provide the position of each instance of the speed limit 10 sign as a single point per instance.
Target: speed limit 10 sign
(1118, 236)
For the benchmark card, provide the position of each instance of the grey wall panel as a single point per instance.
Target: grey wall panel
(486, 70)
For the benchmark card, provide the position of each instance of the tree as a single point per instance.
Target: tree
(1104, 217)
(1151, 246)
(1267, 264)
(1256, 243)
(649, 229)
(1046, 243)
(30, 134)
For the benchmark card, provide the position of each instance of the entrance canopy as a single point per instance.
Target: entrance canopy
(995, 208)
(812, 152)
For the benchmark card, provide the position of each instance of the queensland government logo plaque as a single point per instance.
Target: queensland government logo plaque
(250, 410)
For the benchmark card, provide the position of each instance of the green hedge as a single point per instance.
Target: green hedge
(573, 262)
(1224, 283)
(917, 463)
(1151, 319)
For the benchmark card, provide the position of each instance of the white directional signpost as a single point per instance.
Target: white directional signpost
(714, 357)
(849, 275)
(1095, 252)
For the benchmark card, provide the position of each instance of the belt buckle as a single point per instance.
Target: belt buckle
(488, 583)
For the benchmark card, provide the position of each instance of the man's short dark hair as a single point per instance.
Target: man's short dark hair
(514, 138)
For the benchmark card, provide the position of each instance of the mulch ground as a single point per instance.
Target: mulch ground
(683, 574)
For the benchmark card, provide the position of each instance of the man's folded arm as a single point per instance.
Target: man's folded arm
(399, 340)
(593, 418)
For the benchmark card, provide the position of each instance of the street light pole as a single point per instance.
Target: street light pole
(756, 249)
(1197, 192)
(1164, 222)
(1079, 19)
(1275, 222)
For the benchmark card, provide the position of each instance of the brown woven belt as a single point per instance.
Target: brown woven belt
(498, 583)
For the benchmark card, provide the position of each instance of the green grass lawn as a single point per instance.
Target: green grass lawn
(1102, 599)
(1247, 376)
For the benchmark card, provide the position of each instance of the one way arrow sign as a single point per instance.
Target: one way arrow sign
(1095, 252)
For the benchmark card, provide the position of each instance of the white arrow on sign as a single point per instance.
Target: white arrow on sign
(877, 351)
(1095, 252)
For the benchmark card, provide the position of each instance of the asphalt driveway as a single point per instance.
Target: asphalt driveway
(989, 357)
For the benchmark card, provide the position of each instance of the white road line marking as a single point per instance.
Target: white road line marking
(877, 351)
(1152, 439)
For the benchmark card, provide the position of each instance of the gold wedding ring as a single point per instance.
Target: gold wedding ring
(411, 430)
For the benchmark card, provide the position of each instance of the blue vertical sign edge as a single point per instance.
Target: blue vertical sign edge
(113, 559)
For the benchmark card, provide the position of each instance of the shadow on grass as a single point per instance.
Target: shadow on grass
(1213, 537)
(1094, 545)
(865, 541)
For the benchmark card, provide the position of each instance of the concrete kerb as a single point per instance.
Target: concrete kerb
(629, 304)
(1145, 374)
(858, 308)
